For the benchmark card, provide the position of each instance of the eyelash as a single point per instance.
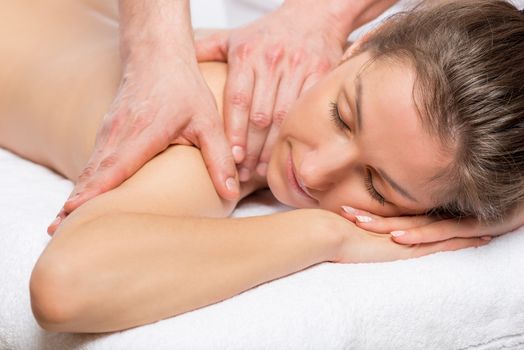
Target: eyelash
(336, 118)
(368, 181)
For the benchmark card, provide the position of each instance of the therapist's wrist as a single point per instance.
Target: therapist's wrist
(343, 15)
(146, 28)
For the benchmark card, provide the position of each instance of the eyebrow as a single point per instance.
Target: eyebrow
(358, 99)
(358, 112)
(396, 186)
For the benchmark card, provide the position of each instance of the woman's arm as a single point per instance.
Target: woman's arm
(123, 270)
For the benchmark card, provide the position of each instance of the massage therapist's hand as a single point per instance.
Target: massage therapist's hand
(162, 99)
(358, 245)
(420, 229)
(271, 62)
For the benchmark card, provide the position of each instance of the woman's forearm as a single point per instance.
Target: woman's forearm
(125, 270)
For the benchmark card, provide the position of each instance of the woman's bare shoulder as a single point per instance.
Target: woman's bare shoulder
(174, 183)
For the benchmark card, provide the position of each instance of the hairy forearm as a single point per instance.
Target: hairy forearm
(345, 15)
(156, 25)
(125, 270)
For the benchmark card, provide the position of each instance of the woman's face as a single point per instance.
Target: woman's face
(376, 157)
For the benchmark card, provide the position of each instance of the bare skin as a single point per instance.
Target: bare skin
(179, 254)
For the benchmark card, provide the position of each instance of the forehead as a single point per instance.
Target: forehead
(393, 136)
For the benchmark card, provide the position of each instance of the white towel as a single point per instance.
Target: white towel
(470, 299)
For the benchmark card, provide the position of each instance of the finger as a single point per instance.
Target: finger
(265, 155)
(260, 119)
(117, 166)
(390, 224)
(237, 104)
(72, 203)
(219, 161)
(439, 231)
(213, 47)
(51, 229)
(358, 215)
(288, 91)
(448, 245)
(107, 137)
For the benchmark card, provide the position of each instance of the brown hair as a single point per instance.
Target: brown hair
(468, 57)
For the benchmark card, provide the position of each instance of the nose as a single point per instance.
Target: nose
(322, 167)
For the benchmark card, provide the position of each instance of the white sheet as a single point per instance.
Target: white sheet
(471, 299)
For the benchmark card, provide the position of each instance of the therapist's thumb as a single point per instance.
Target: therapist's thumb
(213, 47)
(220, 164)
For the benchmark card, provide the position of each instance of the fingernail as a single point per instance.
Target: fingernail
(363, 218)
(231, 184)
(56, 221)
(262, 169)
(486, 238)
(349, 210)
(398, 233)
(244, 174)
(75, 197)
(238, 153)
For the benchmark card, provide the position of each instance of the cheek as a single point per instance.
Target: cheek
(354, 194)
(350, 191)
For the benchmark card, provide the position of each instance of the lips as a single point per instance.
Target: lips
(295, 182)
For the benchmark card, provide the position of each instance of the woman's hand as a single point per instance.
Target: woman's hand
(359, 245)
(272, 61)
(423, 229)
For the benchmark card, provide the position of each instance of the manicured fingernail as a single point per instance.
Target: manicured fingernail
(231, 184)
(349, 210)
(398, 233)
(363, 218)
(486, 238)
(244, 174)
(262, 169)
(238, 153)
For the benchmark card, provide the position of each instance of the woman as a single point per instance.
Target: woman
(412, 122)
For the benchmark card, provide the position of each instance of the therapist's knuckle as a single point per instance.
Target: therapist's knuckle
(112, 127)
(297, 58)
(109, 162)
(279, 116)
(242, 51)
(86, 174)
(140, 120)
(273, 55)
(260, 120)
(322, 66)
(240, 101)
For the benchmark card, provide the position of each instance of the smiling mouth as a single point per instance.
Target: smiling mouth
(297, 185)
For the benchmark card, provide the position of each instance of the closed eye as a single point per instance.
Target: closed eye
(368, 181)
(336, 118)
